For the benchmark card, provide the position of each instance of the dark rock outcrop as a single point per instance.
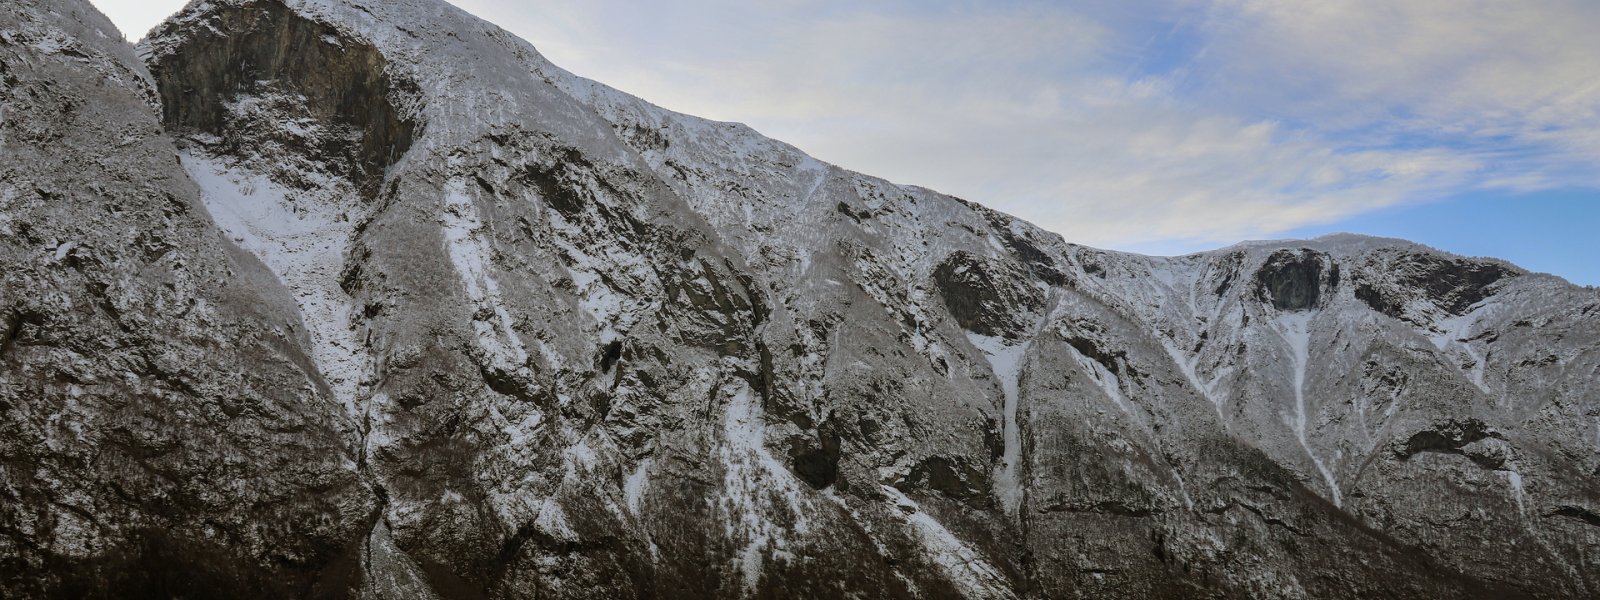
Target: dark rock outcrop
(1293, 280)
(264, 61)
(1453, 285)
(987, 297)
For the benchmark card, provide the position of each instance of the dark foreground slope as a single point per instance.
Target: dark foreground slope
(506, 332)
(163, 431)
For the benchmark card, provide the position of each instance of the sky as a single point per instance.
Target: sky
(1155, 126)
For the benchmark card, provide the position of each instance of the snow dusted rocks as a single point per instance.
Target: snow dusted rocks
(385, 305)
(272, 82)
(164, 431)
(988, 297)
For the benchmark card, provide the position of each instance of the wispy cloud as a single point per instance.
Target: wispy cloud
(1516, 84)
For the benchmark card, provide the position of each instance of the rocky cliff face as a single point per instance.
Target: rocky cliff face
(163, 429)
(348, 298)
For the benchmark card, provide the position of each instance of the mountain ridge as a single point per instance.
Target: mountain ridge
(576, 345)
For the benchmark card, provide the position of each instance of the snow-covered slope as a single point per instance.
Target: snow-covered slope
(581, 346)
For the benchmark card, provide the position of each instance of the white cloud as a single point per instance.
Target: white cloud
(1519, 82)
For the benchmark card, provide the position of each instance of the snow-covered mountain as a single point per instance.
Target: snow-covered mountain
(329, 298)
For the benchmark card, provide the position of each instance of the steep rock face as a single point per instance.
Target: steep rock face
(318, 91)
(163, 432)
(988, 297)
(1407, 286)
(1296, 280)
(581, 346)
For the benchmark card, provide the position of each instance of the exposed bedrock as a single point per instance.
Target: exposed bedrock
(255, 61)
(1396, 284)
(988, 297)
(1297, 280)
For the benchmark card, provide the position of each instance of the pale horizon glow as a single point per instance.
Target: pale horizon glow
(1160, 126)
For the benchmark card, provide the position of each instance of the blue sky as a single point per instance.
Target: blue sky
(1161, 126)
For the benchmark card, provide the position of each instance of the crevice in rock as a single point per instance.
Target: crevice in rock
(565, 182)
(1448, 437)
(858, 217)
(609, 355)
(529, 537)
(987, 297)
(13, 331)
(1038, 262)
(1230, 266)
(1261, 514)
(1379, 301)
(1578, 513)
(816, 461)
(505, 384)
(1453, 285)
(1106, 507)
(1112, 361)
(953, 478)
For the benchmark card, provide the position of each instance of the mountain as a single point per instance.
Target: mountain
(361, 298)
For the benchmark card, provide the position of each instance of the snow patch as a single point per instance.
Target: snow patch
(1518, 492)
(1109, 383)
(634, 487)
(959, 563)
(53, 44)
(521, 432)
(389, 572)
(752, 480)
(1005, 359)
(471, 254)
(584, 455)
(1295, 328)
(1190, 365)
(614, 313)
(302, 236)
(375, 435)
(552, 520)
(1456, 331)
